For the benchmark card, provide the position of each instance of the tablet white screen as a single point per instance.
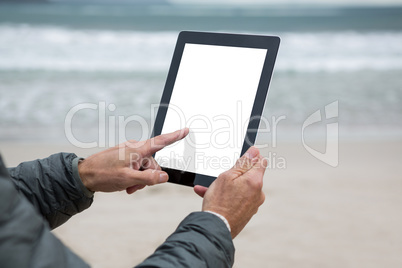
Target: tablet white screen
(213, 95)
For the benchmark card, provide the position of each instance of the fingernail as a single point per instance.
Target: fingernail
(184, 130)
(250, 154)
(163, 177)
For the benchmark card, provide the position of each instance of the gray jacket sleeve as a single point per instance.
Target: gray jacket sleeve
(53, 189)
(201, 240)
(25, 237)
(53, 186)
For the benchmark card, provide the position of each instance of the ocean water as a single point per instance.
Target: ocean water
(55, 57)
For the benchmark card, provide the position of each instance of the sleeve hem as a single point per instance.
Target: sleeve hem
(222, 218)
(77, 177)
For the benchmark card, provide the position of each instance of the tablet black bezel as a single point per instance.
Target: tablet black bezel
(271, 43)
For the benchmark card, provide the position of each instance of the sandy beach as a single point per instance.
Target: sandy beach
(314, 215)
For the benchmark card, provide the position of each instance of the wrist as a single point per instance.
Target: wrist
(222, 218)
(84, 173)
(77, 172)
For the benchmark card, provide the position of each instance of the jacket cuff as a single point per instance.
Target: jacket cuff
(77, 177)
(222, 218)
(215, 230)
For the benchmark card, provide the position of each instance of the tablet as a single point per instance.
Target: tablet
(216, 86)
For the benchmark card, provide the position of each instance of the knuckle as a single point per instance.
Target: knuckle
(131, 144)
(151, 182)
(243, 164)
(259, 183)
(223, 176)
(125, 175)
(153, 177)
(162, 139)
(262, 198)
(255, 182)
(229, 175)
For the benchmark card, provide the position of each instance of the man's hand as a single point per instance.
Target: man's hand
(237, 193)
(128, 166)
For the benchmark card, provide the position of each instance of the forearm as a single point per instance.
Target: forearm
(201, 240)
(52, 185)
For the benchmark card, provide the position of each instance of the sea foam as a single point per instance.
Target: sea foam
(49, 48)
